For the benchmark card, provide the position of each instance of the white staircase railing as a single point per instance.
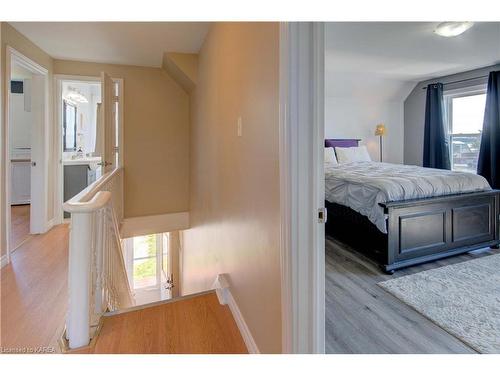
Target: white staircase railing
(97, 275)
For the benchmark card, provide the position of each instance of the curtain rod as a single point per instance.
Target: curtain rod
(459, 81)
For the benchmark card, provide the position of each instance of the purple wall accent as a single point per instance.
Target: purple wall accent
(341, 142)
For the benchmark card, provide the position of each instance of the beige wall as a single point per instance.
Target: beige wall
(16, 40)
(235, 180)
(156, 136)
(183, 67)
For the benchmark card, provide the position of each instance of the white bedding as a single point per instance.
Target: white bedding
(363, 185)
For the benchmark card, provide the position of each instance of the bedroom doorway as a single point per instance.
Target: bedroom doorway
(302, 186)
(408, 233)
(26, 156)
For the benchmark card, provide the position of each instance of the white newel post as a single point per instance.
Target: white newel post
(78, 319)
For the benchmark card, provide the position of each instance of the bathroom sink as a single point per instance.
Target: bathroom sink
(82, 161)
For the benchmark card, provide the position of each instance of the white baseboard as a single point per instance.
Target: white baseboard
(3, 261)
(221, 286)
(50, 224)
(142, 225)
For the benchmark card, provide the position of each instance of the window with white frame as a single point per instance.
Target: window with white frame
(148, 261)
(464, 115)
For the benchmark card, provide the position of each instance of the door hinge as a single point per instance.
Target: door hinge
(169, 284)
(322, 215)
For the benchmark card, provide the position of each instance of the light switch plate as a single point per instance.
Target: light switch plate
(240, 127)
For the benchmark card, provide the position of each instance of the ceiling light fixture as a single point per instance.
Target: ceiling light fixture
(450, 29)
(75, 96)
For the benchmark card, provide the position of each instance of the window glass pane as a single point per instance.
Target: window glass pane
(145, 272)
(145, 261)
(164, 265)
(467, 123)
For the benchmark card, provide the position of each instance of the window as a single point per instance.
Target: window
(145, 262)
(149, 261)
(69, 126)
(465, 113)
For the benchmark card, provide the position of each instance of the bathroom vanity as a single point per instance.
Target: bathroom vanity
(78, 174)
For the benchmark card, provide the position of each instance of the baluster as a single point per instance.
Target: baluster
(106, 254)
(99, 263)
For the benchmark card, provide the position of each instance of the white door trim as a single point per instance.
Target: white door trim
(40, 222)
(302, 186)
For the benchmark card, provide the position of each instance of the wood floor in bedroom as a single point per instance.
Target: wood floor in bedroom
(362, 318)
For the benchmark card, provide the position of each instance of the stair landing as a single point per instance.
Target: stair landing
(196, 324)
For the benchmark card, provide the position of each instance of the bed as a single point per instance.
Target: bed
(405, 215)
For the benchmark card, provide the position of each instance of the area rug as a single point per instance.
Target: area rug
(463, 299)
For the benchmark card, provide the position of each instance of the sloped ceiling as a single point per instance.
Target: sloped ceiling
(384, 60)
(128, 43)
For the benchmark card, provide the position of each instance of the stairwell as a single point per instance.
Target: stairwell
(102, 314)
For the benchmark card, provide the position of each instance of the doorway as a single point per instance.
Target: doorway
(81, 136)
(79, 143)
(26, 154)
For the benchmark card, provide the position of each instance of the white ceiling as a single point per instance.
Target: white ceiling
(129, 43)
(387, 59)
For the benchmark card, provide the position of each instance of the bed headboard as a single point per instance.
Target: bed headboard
(342, 142)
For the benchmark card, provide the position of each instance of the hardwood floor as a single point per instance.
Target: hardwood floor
(20, 225)
(34, 304)
(362, 318)
(198, 325)
(34, 292)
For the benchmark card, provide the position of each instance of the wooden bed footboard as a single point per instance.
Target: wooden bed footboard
(422, 230)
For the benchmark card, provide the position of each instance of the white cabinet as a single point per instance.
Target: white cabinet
(20, 182)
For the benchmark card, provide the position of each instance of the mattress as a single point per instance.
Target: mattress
(361, 186)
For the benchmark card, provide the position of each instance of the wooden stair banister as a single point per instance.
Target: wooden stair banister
(97, 277)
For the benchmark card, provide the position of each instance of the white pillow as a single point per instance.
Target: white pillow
(330, 157)
(352, 154)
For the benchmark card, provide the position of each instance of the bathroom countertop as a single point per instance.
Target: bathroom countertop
(82, 161)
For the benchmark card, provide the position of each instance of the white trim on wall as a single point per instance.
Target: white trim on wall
(302, 186)
(142, 225)
(4, 261)
(223, 290)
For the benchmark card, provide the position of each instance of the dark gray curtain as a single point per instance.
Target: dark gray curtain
(436, 144)
(488, 164)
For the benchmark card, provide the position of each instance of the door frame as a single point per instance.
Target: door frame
(301, 150)
(41, 223)
(58, 79)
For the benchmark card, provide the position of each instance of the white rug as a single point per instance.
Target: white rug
(463, 298)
